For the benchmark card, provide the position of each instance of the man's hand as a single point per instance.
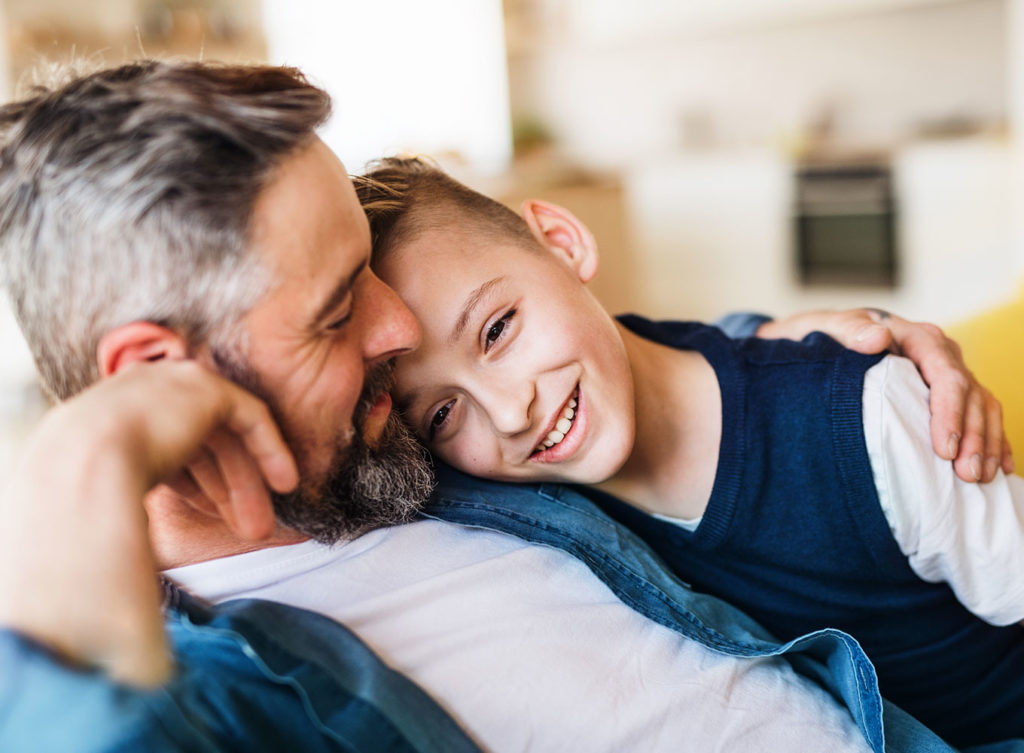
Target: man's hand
(76, 566)
(967, 420)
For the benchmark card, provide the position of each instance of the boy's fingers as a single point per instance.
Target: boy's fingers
(948, 405)
(994, 437)
(970, 458)
(867, 336)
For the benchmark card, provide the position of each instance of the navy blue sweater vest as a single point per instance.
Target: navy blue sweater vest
(794, 535)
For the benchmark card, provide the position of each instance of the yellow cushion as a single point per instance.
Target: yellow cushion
(993, 345)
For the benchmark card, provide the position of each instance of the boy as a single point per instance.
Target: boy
(796, 480)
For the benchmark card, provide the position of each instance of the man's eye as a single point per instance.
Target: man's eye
(497, 329)
(440, 418)
(338, 323)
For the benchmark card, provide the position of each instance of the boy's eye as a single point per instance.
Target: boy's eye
(440, 418)
(496, 330)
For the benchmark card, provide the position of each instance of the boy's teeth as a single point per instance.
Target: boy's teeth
(562, 427)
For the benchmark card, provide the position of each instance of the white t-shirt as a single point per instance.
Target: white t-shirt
(969, 535)
(529, 651)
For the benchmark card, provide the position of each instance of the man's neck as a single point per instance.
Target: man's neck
(182, 534)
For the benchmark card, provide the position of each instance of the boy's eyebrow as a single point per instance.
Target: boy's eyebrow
(472, 301)
(337, 295)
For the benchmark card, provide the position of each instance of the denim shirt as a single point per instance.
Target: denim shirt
(258, 676)
(560, 517)
(250, 676)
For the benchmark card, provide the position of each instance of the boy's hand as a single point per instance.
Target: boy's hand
(76, 567)
(967, 420)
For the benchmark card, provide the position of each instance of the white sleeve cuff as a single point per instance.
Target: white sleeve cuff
(968, 535)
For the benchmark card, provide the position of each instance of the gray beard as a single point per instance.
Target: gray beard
(365, 487)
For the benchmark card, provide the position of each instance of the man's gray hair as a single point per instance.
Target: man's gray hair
(127, 195)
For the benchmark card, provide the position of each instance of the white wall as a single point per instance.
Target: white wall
(620, 103)
(1015, 105)
(405, 75)
(705, 113)
(17, 373)
(714, 233)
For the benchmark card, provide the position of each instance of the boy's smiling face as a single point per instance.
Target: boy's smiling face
(521, 374)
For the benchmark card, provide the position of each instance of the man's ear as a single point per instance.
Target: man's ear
(138, 341)
(558, 230)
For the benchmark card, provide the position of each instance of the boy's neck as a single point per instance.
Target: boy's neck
(671, 469)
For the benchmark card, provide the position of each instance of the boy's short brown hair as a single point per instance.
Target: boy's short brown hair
(404, 196)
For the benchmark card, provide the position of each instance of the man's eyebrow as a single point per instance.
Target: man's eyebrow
(341, 290)
(472, 301)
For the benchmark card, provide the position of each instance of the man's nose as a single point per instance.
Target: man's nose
(392, 328)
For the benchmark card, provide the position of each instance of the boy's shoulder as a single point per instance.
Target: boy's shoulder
(712, 341)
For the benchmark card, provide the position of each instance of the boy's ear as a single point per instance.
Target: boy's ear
(135, 342)
(558, 230)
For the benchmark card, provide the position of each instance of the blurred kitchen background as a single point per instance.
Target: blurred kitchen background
(771, 155)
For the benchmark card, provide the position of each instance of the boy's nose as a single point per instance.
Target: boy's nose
(509, 403)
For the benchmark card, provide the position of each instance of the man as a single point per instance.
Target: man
(161, 224)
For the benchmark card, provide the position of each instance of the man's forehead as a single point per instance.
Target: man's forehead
(308, 228)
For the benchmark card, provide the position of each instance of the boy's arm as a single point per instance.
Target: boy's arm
(966, 419)
(970, 536)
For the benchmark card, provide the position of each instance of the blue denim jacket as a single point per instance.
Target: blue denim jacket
(560, 517)
(258, 676)
(251, 676)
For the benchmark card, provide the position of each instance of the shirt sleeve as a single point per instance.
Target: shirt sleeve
(969, 535)
(249, 675)
(46, 705)
(741, 324)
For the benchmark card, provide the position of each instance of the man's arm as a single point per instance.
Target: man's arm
(76, 568)
(966, 419)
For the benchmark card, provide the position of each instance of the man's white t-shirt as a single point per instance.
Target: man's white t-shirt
(529, 651)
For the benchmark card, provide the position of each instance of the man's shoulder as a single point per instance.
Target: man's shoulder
(459, 497)
(243, 659)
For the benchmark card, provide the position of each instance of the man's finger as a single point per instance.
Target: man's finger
(251, 513)
(185, 487)
(206, 473)
(250, 420)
